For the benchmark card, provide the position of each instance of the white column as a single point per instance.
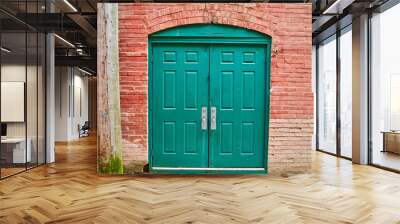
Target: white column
(360, 90)
(50, 100)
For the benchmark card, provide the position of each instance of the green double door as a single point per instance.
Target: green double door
(208, 106)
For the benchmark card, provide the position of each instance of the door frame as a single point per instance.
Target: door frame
(209, 34)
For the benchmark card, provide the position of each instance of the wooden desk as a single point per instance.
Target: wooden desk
(391, 141)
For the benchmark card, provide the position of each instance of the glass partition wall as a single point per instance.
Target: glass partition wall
(22, 78)
(334, 93)
(385, 89)
(13, 84)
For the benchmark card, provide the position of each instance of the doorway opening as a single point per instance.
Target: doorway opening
(209, 100)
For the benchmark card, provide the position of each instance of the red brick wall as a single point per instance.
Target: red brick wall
(289, 25)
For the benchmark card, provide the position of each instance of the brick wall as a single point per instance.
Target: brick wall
(289, 25)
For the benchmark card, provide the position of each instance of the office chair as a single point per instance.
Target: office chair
(84, 130)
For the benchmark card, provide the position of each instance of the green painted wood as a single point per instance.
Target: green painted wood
(180, 87)
(210, 31)
(171, 171)
(237, 90)
(234, 65)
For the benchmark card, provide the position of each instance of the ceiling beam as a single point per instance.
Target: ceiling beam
(82, 61)
(89, 30)
(337, 7)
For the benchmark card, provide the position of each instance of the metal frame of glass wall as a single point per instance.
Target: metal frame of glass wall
(27, 55)
(335, 37)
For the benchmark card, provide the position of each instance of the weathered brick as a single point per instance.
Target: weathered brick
(291, 103)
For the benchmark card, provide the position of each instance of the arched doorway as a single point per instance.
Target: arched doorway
(208, 99)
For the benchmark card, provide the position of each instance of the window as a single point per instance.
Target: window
(346, 92)
(385, 89)
(327, 95)
(332, 77)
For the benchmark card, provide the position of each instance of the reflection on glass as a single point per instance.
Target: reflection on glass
(14, 153)
(22, 89)
(327, 95)
(346, 92)
(31, 99)
(385, 83)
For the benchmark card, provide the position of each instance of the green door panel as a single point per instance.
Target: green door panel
(187, 77)
(180, 90)
(237, 90)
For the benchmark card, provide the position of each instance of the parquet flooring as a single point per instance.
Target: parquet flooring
(10, 171)
(70, 191)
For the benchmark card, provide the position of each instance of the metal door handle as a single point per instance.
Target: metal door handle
(213, 118)
(204, 118)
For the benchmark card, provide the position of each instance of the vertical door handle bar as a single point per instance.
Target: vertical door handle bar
(204, 118)
(213, 118)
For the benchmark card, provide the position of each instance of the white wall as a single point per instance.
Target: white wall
(13, 72)
(62, 82)
(71, 102)
(80, 112)
(33, 126)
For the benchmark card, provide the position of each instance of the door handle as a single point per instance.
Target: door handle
(204, 118)
(213, 118)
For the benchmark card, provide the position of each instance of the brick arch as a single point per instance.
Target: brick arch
(238, 15)
(222, 26)
(291, 101)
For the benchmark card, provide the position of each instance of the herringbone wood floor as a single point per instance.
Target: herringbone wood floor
(70, 191)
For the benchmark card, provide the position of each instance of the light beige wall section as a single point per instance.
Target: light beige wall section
(28, 128)
(62, 113)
